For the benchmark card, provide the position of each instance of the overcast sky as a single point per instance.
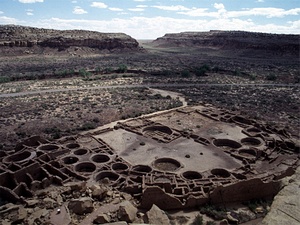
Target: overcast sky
(149, 19)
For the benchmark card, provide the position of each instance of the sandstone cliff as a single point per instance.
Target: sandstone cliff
(29, 37)
(239, 40)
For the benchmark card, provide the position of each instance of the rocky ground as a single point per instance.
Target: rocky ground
(77, 203)
(69, 112)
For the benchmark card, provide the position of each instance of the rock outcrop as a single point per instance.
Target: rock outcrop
(157, 216)
(286, 205)
(20, 36)
(277, 43)
(81, 206)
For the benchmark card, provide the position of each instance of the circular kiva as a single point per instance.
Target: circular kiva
(100, 158)
(70, 160)
(48, 147)
(119, 167)
(253, 130)
(191, 175)
(249, 153)
(81, 151)
(72, 145)
(167, 164)
(85, 167)
(142, 168)
(158, 128)
(107, 177)
(220, 173)
(83, 139)
(20, 157)
(250, 141)
(226, 144)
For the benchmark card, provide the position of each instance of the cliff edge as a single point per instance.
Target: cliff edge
(234, 40)
(15, 40)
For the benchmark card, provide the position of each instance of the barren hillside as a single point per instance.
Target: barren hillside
(19, 40)
(279, 44)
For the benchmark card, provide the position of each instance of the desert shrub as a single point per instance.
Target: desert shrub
(122, 68)
(271, 77)
(297, 77)
(84, 73)
(98, 69)
(54, 132)
(21, 134)
(206, 67)
(253, 204)
(201, 71)
(211, 223)
(185, 73)
(166, 73)
(108, 70)
(237, 73)
(198, 220)
(214, 212)
(157, 96)
(252, 77)
(4, 79)
(96, 120)
(87, 126)
(215, 69)
(62, 73)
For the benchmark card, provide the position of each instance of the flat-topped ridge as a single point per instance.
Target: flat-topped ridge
(21, 36)
(276, 43)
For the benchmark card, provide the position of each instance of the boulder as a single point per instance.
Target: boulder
(19, 215)
(81, 206)
(127, 212)
(49, 203)
(102, 218)
(224, 222)
(231, 219)
(31, 202)
(76, 186)
(157, 216)
(98, 192)
(37, 215)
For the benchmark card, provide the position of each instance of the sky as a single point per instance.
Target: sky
(150, 19)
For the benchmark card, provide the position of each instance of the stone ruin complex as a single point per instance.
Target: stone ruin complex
(177, 159)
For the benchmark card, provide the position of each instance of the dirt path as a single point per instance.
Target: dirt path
(17, 94)
(173, 95)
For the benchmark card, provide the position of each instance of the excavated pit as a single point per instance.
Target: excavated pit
(70, 160)
(48, 147)
(178, 159)
(227, 144)
(85, 167)
(81, 151)
(166, 164)
(100, 158)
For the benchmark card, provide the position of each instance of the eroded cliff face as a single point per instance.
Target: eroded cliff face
(276, 43)
(29, 37)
